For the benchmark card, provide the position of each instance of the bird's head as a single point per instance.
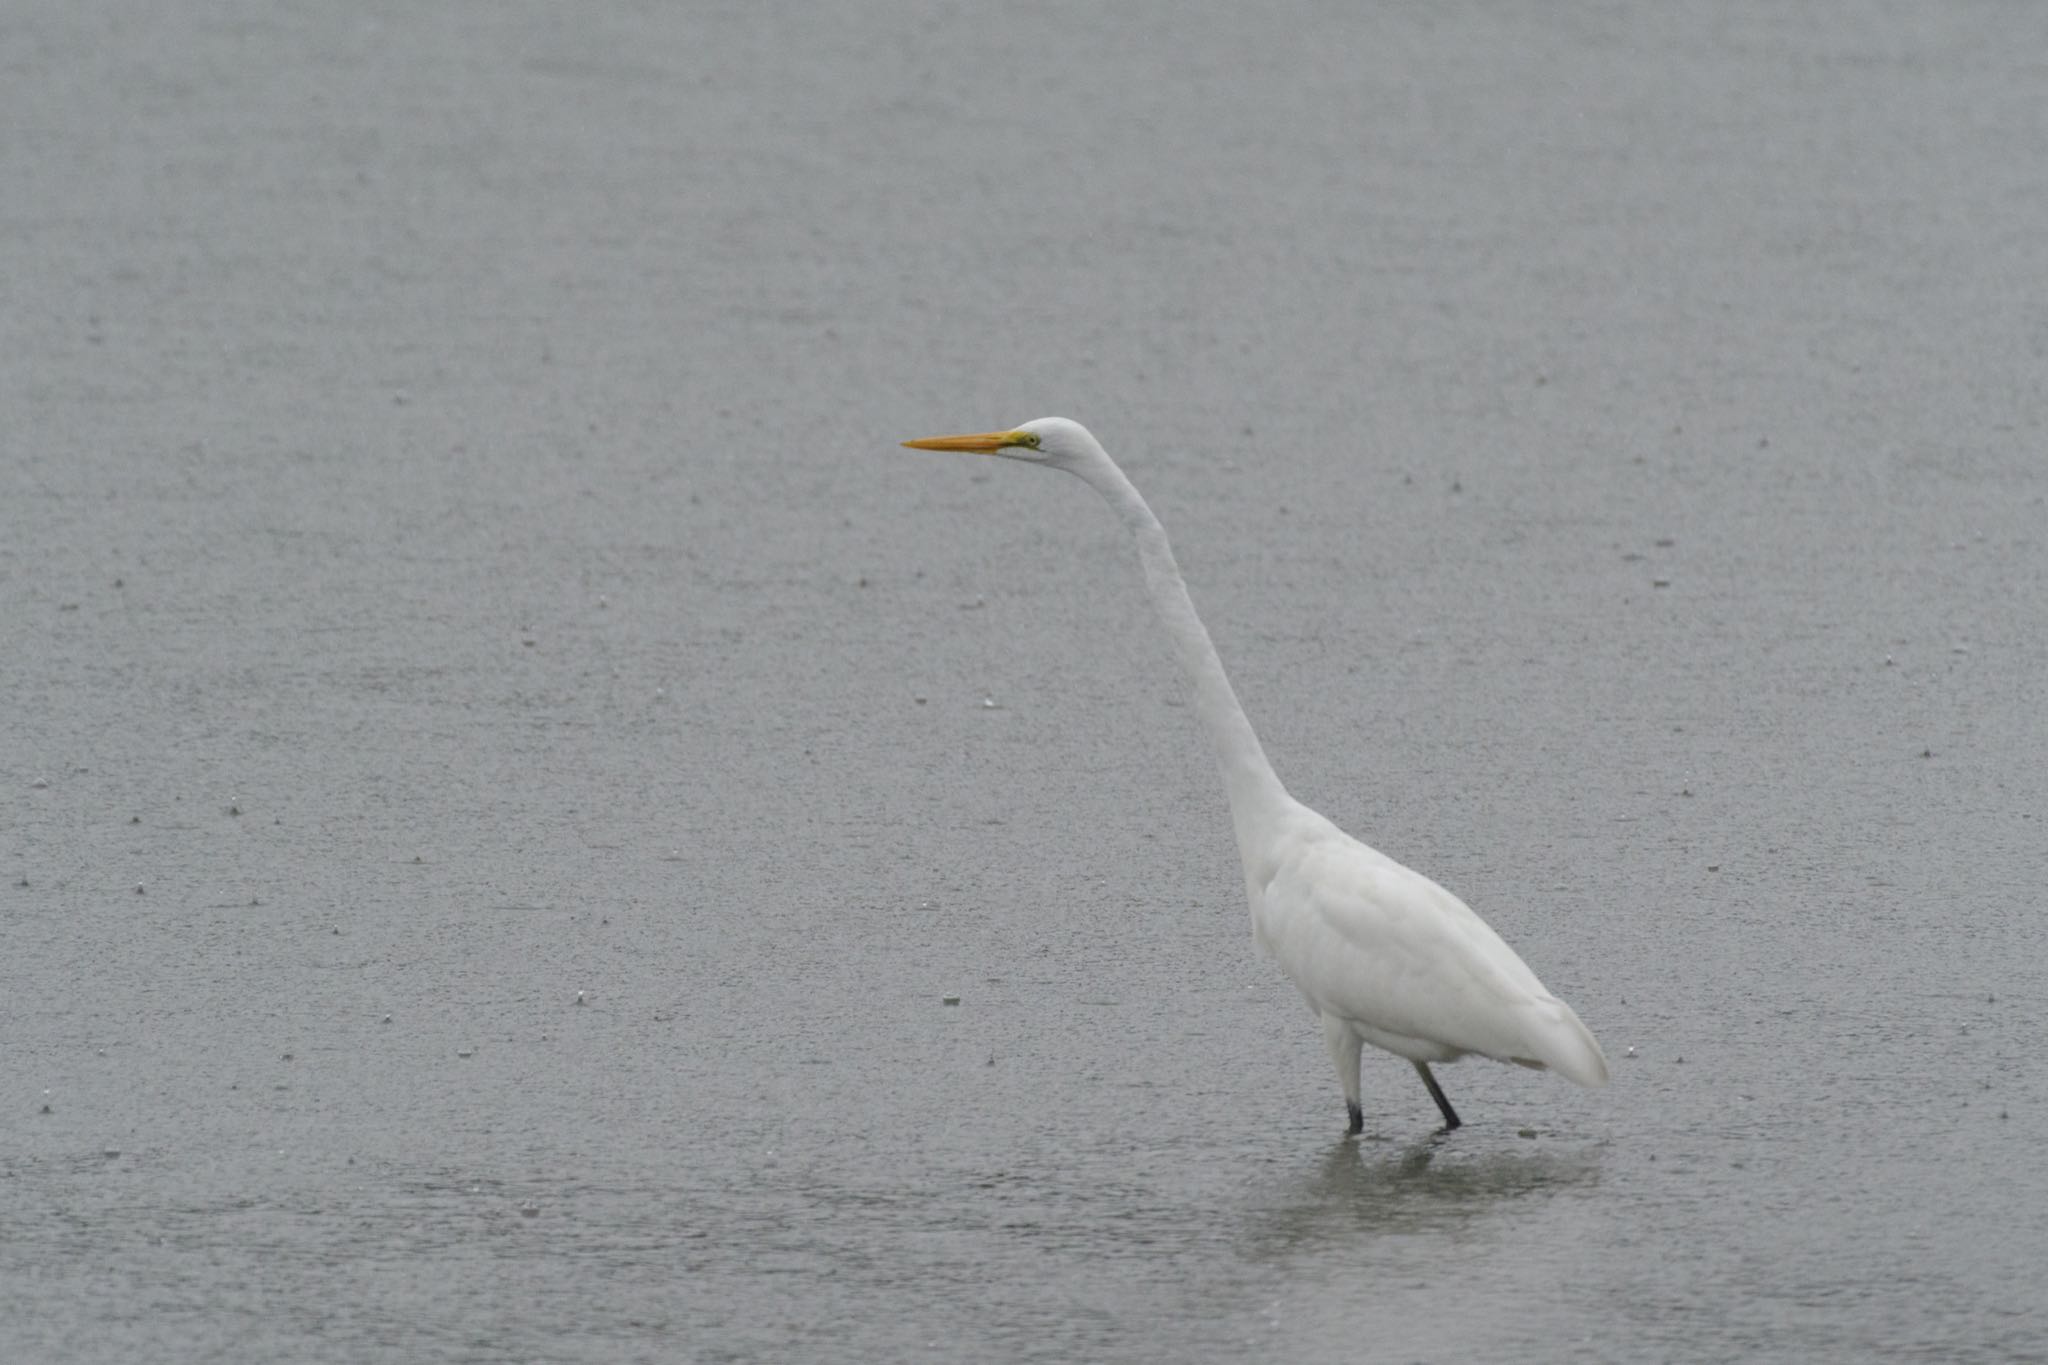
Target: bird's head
(1051, 441)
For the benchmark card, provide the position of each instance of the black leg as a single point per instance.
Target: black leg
(1357, 1117)
(1436, 1092)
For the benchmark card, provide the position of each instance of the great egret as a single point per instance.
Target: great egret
(1382, 954)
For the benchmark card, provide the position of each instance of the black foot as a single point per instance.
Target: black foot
(1357, 1117)
(1436, 1092)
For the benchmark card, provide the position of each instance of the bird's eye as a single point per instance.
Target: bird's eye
(1029, 438)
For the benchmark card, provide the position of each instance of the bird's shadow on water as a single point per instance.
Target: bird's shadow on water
(1438, 1184)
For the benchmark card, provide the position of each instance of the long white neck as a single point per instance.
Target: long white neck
(1256, 796)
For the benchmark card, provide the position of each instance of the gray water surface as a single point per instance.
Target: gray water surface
(455, 563)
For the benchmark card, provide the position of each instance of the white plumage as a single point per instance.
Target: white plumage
(1383, 955)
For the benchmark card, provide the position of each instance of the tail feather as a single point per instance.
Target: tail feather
(1568, 1047)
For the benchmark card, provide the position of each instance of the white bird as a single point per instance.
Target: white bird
(1382, 954)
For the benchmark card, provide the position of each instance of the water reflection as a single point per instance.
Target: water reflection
(1433, 1185)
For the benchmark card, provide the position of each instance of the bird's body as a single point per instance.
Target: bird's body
(1382, 954)
(1385, 956)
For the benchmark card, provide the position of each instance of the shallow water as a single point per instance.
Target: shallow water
(454, 557)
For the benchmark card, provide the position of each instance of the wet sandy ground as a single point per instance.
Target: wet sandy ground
(454, 562)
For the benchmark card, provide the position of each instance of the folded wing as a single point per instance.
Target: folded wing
(1384, 947)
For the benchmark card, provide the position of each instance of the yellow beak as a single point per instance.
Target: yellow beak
(985, 443)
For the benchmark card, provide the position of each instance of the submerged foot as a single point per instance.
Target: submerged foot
(1357, 1114)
